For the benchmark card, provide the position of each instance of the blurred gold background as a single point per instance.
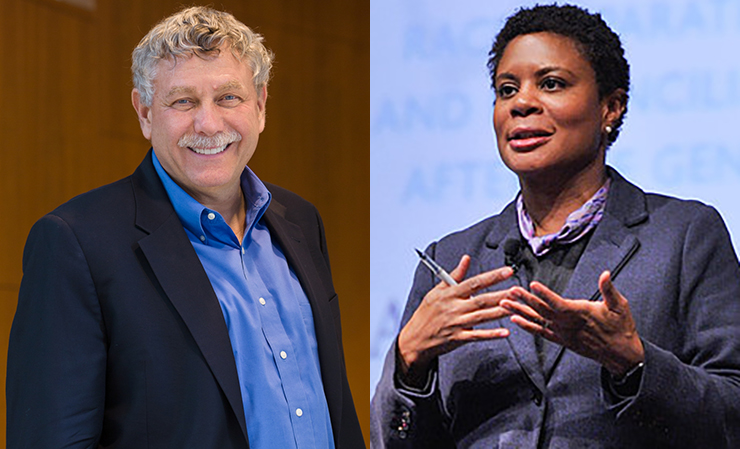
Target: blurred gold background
(69, 127)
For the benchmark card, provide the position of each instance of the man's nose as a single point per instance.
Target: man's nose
(208, 120)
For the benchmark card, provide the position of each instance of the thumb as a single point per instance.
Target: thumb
(612, 298)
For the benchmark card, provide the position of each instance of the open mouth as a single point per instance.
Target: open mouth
(524, 139)
(215, 150)
(209, 145)
(528, 134)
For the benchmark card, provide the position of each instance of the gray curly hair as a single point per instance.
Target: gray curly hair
(197, 31)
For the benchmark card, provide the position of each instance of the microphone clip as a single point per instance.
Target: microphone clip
(513, 254)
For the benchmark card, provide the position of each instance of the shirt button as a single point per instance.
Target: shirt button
(211, 215)
(298, 412)
(202, 238)
(283, 355)
(262, 301)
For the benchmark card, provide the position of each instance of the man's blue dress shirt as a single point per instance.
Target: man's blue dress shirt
(269, 320)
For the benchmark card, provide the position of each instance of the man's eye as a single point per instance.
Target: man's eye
(182, 102)
(230, 99)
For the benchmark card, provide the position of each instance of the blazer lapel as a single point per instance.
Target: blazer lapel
(303, 262)
(178, 270)
(521, 342)
(610, 248)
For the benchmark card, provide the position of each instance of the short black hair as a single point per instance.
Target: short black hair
(598, 43)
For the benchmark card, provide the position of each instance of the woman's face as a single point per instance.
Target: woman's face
(548, 117)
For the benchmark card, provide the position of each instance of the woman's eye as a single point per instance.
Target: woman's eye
(505, 90)
(552, 84)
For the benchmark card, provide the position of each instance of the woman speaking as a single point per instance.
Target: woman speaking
(588, 313)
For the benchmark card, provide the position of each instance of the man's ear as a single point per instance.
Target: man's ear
(261, 104)
(144, 113)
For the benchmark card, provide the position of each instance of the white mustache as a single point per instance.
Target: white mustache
(219, 140)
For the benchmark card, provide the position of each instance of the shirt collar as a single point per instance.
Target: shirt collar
(194, 216)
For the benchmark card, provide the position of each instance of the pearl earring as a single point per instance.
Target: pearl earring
(608, 129)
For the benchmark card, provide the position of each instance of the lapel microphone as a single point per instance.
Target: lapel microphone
(513, 253)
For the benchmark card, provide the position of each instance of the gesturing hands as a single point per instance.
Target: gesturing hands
(600, 330)
(445, 318)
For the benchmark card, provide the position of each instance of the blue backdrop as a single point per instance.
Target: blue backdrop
(433, 158)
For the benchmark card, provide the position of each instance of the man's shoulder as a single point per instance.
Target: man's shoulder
(100, 206)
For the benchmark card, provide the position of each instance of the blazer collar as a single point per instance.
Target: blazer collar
(613, 241)
(610, 248)
(153, 206)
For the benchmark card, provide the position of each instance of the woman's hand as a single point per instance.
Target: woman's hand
(445, 318)
(600, 330)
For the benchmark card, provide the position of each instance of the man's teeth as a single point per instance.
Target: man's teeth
(209, 150)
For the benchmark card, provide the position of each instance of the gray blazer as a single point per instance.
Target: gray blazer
(674, 262)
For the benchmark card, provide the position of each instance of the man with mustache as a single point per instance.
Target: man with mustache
(189, 305)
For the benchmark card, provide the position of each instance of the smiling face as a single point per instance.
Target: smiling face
(548, 117)
(204, 122)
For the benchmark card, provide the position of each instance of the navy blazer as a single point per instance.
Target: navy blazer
(674, 262)
(119, 340)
